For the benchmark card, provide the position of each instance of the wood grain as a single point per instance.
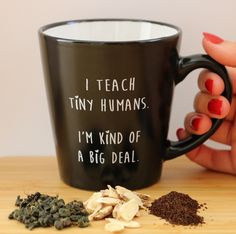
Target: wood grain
(25, 175)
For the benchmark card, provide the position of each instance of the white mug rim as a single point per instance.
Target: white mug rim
(43, 29)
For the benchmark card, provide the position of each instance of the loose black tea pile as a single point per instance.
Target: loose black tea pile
(178, 208)
(40, 210)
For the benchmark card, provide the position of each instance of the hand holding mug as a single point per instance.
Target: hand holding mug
(209, 103)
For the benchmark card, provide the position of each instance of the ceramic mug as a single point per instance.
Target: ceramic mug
(110, 85)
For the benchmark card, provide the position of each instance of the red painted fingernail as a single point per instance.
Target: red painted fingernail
(212, 38)
(209, 85)
(178, 132)
(195, 122)
(215, 106)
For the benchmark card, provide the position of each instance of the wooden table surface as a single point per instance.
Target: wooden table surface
(25, 175)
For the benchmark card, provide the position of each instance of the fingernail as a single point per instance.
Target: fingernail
(195, 122)
(178, 132)
(215, 106)
(212, 38)
(209, 85)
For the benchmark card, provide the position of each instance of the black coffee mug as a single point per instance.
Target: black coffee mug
(110, 85)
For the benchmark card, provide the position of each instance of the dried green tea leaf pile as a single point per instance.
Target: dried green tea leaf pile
(40, 210)
(178, 208)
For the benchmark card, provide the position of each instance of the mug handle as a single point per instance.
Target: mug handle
(184, 67)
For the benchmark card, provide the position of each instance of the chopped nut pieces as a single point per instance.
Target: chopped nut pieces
(91, 204)
(119, 203)
(130, 224)
(114, 227)
(108, 201)
(128, 210)
(103, 212)
(146, 199)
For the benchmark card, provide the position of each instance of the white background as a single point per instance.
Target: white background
(24, 121)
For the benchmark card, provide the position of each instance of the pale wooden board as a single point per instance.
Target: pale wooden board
(25, 175)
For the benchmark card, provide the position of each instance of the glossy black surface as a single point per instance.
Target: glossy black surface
(156, 67)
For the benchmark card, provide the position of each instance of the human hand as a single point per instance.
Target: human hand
(208, 104)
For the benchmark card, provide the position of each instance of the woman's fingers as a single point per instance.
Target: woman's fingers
(196, 123)
(221, 50)
(213, 106)
(211, 83)
(218, 160)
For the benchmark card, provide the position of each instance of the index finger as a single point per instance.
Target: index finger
(221, 50)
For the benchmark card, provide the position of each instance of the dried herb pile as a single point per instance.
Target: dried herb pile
(178, 208)
(40, 210)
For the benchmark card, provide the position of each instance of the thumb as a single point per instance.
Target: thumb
(219, 49)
